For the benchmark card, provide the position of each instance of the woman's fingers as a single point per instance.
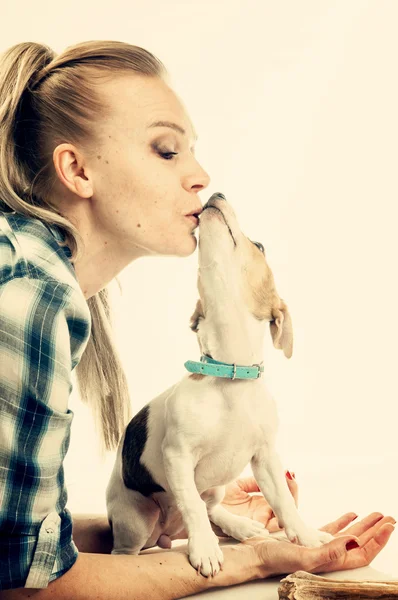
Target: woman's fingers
(367, 523)
(364, 529)
(373, 529)
(377, 541)
(367, 530)
(363, 525)
(335, 526)
(362, 556)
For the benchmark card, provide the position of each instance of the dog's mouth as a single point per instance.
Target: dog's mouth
(208, 207)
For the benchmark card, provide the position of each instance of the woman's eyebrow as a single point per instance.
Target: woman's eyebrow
(172, 126)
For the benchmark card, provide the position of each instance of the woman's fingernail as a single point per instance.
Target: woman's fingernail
(289, 475)
(351, 545)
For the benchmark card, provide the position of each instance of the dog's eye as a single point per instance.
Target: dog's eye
(259, 245)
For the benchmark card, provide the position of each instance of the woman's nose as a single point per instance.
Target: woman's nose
(203, 178)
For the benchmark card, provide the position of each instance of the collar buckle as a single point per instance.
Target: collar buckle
(259, 372)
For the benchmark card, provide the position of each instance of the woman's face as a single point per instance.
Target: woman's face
(141, 192)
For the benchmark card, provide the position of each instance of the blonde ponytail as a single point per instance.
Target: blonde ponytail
(44, 98)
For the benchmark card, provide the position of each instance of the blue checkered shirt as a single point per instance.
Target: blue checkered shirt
(44, 328)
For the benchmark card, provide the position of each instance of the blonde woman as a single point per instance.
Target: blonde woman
(97, 168)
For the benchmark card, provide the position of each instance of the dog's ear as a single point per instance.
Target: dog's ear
(197, 315)
(282, 330)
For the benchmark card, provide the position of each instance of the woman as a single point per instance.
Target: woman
(97, 169)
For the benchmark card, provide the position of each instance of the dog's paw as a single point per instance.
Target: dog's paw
(205, 554)
(308, 536)
(243, 528)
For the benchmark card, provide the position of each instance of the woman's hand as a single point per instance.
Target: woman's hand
(279, 556)
(238, 501)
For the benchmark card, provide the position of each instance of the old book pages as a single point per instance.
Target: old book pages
(306, 586)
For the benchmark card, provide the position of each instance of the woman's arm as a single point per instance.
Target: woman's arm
(158, 576)
(169, 575)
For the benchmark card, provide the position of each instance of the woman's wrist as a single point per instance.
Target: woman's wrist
(241, 564)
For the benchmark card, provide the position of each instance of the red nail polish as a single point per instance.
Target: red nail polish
(289, 475)
(351, 545)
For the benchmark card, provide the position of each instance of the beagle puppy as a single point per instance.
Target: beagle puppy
(181, 449)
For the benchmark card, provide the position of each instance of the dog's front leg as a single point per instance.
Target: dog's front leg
(269, 474)
(204, 551)
(240, 528)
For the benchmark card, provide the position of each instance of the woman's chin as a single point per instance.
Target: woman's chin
(188, 247)
(185, 247)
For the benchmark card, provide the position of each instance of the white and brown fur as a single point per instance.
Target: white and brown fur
(178, 453)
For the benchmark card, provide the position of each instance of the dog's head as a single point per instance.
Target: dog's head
(234, 278)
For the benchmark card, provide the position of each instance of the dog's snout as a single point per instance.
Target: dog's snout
(217, 195)
(213, 198)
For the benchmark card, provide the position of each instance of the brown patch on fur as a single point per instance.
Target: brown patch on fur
(265, 302)
(196, 376)
(198, 312)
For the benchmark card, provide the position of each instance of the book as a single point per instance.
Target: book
(306, 586)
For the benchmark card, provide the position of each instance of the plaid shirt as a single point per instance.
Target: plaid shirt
(45, 324)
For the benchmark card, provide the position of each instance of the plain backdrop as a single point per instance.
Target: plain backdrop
(295, 104)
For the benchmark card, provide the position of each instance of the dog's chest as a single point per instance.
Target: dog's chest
(222, 465)
(220, 429)
(229, 447)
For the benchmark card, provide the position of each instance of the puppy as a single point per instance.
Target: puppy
(178, 453)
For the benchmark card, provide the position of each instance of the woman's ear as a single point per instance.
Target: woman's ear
(197, 315)
(282, 330)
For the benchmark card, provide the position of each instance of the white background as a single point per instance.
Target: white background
(295, 104)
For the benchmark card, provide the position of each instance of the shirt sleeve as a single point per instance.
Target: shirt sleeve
(41, 339)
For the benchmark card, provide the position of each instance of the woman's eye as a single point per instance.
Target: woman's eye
(167, 155)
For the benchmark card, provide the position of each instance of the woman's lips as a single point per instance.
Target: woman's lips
(193, 219)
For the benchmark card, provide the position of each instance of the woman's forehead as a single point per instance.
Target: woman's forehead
(148, 103)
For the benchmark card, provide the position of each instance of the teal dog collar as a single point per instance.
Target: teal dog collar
(209, 366)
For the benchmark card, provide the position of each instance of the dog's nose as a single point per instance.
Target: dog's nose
(217, 195)
(213, 197)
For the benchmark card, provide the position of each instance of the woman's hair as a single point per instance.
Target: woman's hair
(46, 100)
